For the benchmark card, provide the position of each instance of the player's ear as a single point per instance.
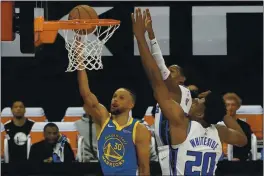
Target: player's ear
(131, 106)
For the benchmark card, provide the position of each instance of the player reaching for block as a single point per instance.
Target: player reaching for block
(123, 143)
(174, 79)
(196, 148)
(173, 76)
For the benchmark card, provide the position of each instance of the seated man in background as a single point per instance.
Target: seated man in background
(54, 148)
(87, 128)
(17, 131)
(233, 103)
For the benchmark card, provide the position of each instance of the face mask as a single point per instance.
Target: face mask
(194, 93)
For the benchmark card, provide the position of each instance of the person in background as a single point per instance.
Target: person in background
(53, 149)
(87, 128)
(17, 131)
(153, 146)
(233, 103)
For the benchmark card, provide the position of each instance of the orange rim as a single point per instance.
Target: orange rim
(46, 31)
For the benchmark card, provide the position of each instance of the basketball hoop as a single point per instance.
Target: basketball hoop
(84, 50)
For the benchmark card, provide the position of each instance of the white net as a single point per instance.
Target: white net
(85, 51)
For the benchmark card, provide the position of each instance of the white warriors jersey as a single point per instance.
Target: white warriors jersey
(197, 155)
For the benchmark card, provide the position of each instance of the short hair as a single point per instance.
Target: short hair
(133, 94)
(179, 68)
(214, 108)
(17, 101)
(233, 96)
(50, 125)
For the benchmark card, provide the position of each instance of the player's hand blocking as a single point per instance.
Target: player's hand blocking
(148, 25)
(138, 22)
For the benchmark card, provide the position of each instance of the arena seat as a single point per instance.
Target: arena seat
(254, 152)
(253, 115)
(73, 114)
(66, 128)
(148, 116)
(36, 114)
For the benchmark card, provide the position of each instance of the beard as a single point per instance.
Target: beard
(51, 143)
(115, 112)
(19, 117)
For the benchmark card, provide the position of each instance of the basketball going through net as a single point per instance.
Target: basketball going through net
(84, 34)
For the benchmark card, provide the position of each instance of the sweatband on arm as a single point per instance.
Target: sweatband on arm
(157, 55)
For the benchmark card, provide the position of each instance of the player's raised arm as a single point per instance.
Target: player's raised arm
(170, 108)
(232, 132)
(168, 73)
(154, 47)
(94, 108)
(91, 104)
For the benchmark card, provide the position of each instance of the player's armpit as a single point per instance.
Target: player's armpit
(231, 136)
(171, 109)
(142, 142)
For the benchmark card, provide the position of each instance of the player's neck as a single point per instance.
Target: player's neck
(175, 96)
(203, 123)
(174, 90)
(19, 122)
(121, 119)
(172, 86)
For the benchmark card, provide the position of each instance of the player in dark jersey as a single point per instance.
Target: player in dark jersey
(17, 130)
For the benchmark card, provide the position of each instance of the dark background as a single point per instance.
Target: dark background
(43, 82)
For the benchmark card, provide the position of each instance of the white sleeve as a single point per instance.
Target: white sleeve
(157, 55)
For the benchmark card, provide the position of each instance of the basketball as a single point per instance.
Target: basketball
(83, 12)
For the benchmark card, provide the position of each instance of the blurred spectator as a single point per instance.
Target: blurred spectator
(233, 103)
(87, 129)
(17, 131)
(54, 148)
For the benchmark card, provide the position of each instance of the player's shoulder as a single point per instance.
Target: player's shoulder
(8, 124)
(142, 133)
(30, 122)
(141, 128)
